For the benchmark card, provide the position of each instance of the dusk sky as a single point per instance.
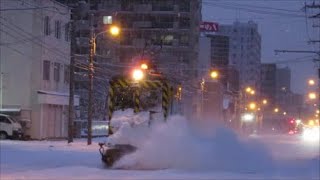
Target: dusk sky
(282, 25)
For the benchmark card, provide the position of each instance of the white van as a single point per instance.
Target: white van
(9, 127)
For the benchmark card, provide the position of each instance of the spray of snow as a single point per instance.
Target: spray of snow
(175, 145)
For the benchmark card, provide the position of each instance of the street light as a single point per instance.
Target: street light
(311, 82)
(312, 95)
(252, 106)
(276, 110)
(114, 30)
(248, 89)
(264, 102)
(252, 92)
(214, 74)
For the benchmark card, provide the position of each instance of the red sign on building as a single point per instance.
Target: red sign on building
(209, 26)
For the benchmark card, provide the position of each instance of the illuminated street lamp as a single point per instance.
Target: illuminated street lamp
(311, 82)
(114, 30)
(312, 95)
(276, 110)
(248, 89)
(264, 102)
(252, 92)
(252, 106)
(284, 113)
(214, 74)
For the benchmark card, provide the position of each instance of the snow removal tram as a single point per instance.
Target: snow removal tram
(142, 89)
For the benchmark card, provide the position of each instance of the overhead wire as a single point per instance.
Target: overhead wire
(257, 11)
(41, 43)
(258, 7)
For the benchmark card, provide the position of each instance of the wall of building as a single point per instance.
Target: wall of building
(245, 51)
(144, 24)
(268, 82)
(28, 43)
(204, 56)
(219, 50)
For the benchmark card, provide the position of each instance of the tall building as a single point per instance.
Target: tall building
(34, 65)
(268, 82)
(283, 82)
(163, 31)
(283, 79)
(216, 97)
(219, 50)
(245, 51)
(168, 27)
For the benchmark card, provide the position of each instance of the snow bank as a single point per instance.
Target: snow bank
(175, 145)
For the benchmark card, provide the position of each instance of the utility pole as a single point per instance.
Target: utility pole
(71, 80)
(90, 88)
(1, 87)
(316, 16)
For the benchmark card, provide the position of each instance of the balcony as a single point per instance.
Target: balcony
(142, 7)
(163, 25)
(139, 43)
(82, 41)
(166, 8)
(142, 24)
(82, 24)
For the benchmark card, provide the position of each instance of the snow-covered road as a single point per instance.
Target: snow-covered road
(174, 147)
(57, 160)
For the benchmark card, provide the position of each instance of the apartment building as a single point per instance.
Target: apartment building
(245, 51)
(35, 55)
(163, 31)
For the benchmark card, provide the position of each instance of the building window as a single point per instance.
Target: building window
(107, 19)
(47, 26)
(184, 5)
(163, 5)
(46, 70)
(56, 72)
(184, 22)
(66, 73)
(67, 32)
(184, 40)
(168, 40)
(57, 29)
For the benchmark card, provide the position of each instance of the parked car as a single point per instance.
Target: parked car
(9, 127)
